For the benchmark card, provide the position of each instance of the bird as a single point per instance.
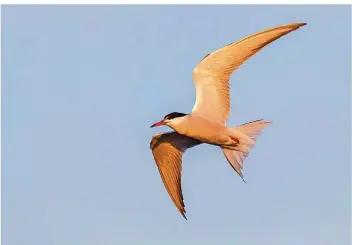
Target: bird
(206, 123)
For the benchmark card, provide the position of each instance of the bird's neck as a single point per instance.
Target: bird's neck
(180, 125)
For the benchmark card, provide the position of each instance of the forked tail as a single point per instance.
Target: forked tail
(236, 157)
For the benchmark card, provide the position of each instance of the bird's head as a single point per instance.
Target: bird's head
(172, 119)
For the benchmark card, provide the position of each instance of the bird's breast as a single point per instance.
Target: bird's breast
(205, 130)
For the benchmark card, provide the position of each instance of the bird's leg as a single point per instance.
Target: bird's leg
(235, 139)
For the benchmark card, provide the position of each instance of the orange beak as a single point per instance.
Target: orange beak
(158, 124)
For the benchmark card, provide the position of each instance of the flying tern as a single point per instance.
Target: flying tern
(207, 121)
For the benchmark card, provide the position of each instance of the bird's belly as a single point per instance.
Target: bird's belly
(208, 132)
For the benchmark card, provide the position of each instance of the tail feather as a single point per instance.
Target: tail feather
(253, 129)
(237, 157)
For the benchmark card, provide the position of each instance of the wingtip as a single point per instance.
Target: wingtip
(295, 26)
(300, 24)
(183, 212)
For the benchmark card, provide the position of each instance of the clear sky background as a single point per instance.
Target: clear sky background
(82, 85)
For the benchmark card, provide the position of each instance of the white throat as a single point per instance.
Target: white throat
(179, 124)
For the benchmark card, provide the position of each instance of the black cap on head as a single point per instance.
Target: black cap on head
(174, 115)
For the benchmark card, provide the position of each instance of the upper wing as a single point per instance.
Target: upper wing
(167, 150)
(212, 74)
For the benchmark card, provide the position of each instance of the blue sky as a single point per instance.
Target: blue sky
(82, 85)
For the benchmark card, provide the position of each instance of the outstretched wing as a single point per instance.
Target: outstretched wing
(211, 76)
(167, 150)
